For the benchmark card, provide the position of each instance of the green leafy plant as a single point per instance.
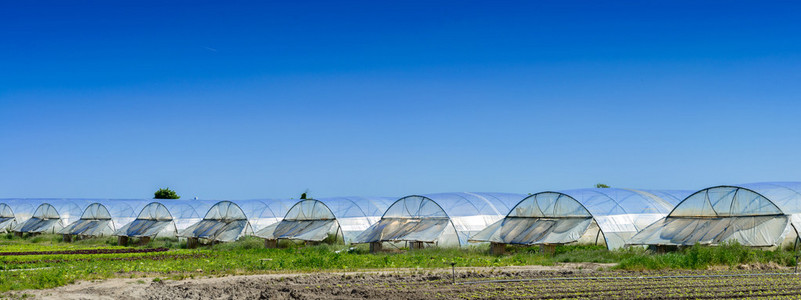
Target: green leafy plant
(166, 193)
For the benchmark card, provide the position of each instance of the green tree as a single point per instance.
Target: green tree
(166, 193)
(601, 186)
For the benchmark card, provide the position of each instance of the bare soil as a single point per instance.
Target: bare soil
(570, 280)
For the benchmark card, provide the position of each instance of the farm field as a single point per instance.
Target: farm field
(44, 266)
(572, 281)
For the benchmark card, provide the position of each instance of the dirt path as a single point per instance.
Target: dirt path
(426, 284)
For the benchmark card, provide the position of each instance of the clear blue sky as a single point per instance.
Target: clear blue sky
(234, 100)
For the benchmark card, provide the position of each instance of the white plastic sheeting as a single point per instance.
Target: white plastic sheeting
(7, 219)
(755, 214)
(607, 215)
(447, 219)
(165, 218)
(264, 212)
(101, 217)
(95, 221)
(52, 215)
(316, 219)
(22, 209)
(224, 222)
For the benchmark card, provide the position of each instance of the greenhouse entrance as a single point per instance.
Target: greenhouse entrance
(442, 220)
(756, 215)
(601, 216)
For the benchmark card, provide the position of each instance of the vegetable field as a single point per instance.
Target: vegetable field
(339, 271)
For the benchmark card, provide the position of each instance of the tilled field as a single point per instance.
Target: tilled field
(85, 251)
(560, 282)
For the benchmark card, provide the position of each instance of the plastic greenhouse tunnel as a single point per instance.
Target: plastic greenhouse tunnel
(51, 216)
(21, 209)
(164, 218)
(327, 219)
(755, 214)
(7, 219)
(445, 220)
(224, 222)
(101, 217)
(602, 216)
(264, 212)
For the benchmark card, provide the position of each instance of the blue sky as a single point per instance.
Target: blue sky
(235, 100)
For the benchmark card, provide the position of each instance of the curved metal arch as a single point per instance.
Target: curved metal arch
(421, 196)
(125, 202)
(229, 207)
(723, 186)
(336, 219)
(346, 198)
(162, 205)
(316, 201)
(650, 194)
(48, 204)
(485, 201)
(552, 192)
(26, 209)
(266, 207)
(375, 203)
(101, 205)
(429, 199)
(601, 230)
(13, 215)
(610, 198)
(777, 184)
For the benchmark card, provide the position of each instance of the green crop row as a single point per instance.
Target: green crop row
(248, 256)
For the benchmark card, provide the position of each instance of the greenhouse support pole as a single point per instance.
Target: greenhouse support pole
(375, 247)
(795, 245)
(453, 273)
(191, 243)
(497, 248)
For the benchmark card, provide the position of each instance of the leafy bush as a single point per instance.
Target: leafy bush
(166, 193)
(702, 257)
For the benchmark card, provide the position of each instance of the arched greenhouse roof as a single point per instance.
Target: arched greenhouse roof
(184, 213)
(753, 214)
(225, 221)
(565, 216)
(101, 217)
(164, 217)
(7, 219)
(265, 212)
(95, 221)
(316, 219)
(45, 219)
(445, 219)
(69, 210)
(121, 211)
(22, 208)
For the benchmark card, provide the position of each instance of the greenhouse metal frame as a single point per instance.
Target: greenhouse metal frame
(51, 215)
(606, 216)
(764, 214)
(7, 218)
(164, 218)
(445, 220)
(315, 220)
(225, 221)
(102, 217)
